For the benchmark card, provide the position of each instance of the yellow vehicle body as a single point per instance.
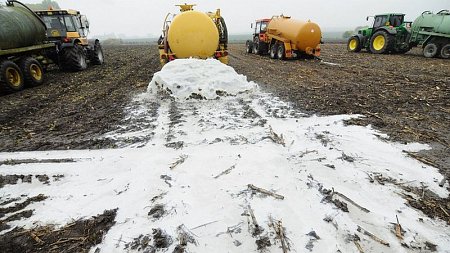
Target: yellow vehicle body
(193, 34)
(302, 36)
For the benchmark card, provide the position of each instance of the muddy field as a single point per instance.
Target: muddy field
(406, 97)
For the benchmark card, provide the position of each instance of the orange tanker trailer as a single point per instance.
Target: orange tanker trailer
(285, 38)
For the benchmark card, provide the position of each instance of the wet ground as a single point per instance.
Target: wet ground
(404, 96)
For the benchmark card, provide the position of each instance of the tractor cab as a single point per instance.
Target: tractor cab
(65, 26)
(394, 20)
(260, 26)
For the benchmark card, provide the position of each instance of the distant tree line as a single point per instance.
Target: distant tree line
(45, 5)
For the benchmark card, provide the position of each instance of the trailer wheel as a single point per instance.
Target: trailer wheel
(353, 44)
(445, 51)
(430, 50)
(11, 77)
(281, 52)
(33, 72)
(381, 42)
(74, 58)
(273, 51)
(97, 57)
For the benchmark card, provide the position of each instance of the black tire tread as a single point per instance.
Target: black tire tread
(3, 83)
(70, 58)
(28, 78)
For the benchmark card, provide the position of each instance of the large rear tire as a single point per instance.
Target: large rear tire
(354, 44)
(381, 43)
(273, 51)
(445, 51)
(11, 77)
(33, 73)
(281, 52)
(74, 58)
(97, 56)
(430, 50)
(249, 47)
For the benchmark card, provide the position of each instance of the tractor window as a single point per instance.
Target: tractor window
(78, 24)
(70, 26)
(257, 26)
(396, 21)
(54, 22)
(263, 26)
(380, 21)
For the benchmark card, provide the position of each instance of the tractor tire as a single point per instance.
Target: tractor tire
(11, 77)
(97, 56)
(249, 47)
(354, 44)
(430, 50)
(445, 51)
(74, 58)
(32, 70)
(381, 43)
(256, 47)
(281, 52)
(273, 51)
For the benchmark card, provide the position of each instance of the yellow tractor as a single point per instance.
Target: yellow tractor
(193, 34)
(68, 29)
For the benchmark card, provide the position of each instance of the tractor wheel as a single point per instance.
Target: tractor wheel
(97, 57)
(430, 50)
(381, 42)
(249, 47)
(281, 52)
(273, 51)
(33, 73)
(74, 58)
(353, 44)
(445, 51)
(11, 77)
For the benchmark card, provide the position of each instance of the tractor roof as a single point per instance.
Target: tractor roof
(263, 20)
(391, 14)
(57, 12)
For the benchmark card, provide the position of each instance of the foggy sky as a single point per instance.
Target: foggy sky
(144, 18)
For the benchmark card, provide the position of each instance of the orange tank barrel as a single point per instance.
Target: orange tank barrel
(304, 35)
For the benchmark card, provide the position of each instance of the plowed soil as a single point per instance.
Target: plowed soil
(406, 97)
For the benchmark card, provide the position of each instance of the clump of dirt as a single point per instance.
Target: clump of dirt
(20, 206)
(77, 237)
(161, 240)
(142, 243)
(13, 179)
(428, 202)
(263, 243)
(157, 211)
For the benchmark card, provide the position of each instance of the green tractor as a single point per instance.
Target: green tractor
(389, 34)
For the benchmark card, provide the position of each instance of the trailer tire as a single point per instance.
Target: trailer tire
(354, 44)
(273, 51)
(281, 52)
(74, 58)
(32, 70)
(381, 42)
(11, 77)
(445, 51)
(97, 56)
(430, 50)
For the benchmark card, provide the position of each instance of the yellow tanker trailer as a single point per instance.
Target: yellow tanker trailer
(193, 34)
(285, 38)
